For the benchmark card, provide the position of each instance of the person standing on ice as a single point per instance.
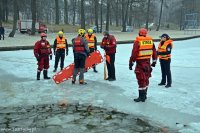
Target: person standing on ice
(109, 45)
(42, 52)
(164, 55)
(142, 52)
(59, 48)
(92, 43)
(2, 32)
(81, 51)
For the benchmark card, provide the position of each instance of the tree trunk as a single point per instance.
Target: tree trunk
(33, 11)
(96, 10)
(1, 8)
(107, 15)
(57, 11)
(66, 12)
(101, 15)
(82, 14)
(130, 22)
(15, 17)
(124, 15)
(160, 15)
(147, 15)
(7, 12)
(116, 13)
(74, 11)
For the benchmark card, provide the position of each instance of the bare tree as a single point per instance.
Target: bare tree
(101, 15)
(160, 15)
(82, 14)
(66, 12)
(1, 10)
(74, 10)
(57, 11)
(96, 9)
(107, 15)
(125, 5)
(116, 13)
(15, 17)
(33, 11)
(147, 15)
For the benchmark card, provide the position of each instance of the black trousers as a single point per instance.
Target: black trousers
(60, 55)
(2, 36)
(111, 66)
(79, 60)
(166, 72)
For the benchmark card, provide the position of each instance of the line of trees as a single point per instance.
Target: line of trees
(135, 13)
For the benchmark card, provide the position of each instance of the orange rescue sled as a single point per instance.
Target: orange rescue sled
(67, 73)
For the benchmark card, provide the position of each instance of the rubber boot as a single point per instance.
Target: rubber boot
(145, 96)
(38, 75)
(54, 70)
(73, 81)
(141, 97)
(82, 82)
(94, 69)
(45, 74)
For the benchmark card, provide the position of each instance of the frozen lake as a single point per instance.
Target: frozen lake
(174, 107)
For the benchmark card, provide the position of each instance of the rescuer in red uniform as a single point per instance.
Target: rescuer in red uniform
(42, 52)
(143, 50)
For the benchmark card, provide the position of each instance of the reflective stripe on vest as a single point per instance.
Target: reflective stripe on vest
(163, 48)
(90, 40)
(78, 46)
(61, 44)
(145, 47)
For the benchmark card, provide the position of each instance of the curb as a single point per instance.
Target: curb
(12, 48)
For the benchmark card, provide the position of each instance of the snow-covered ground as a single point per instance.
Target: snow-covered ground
(175, 107)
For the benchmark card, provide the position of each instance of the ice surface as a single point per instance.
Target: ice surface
(177, 107)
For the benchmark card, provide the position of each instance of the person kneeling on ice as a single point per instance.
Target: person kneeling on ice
(42, 52)
(143, 50)
(81, 51)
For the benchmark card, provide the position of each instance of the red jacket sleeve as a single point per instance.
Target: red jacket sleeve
(36, 49)
(135, 51)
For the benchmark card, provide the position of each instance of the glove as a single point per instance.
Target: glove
(153, 64)
(50, 57)
(106, 47)
(66, 53)
(38, 59)
(130, 66)
(88, 54)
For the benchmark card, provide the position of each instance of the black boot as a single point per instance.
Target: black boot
(141, 97)
(45, 74)
(161, 84)
(145, 96)
(38, 75)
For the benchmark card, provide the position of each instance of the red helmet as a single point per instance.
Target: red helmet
(43, 35)
(143, 32)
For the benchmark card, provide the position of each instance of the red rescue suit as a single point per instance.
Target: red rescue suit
(143, 50)
(109, 44)
(42, 50)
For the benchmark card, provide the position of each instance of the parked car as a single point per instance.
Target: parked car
(129, 29)
(25, 26)
(94, 28)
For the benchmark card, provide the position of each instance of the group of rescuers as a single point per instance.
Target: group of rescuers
(84, 44)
